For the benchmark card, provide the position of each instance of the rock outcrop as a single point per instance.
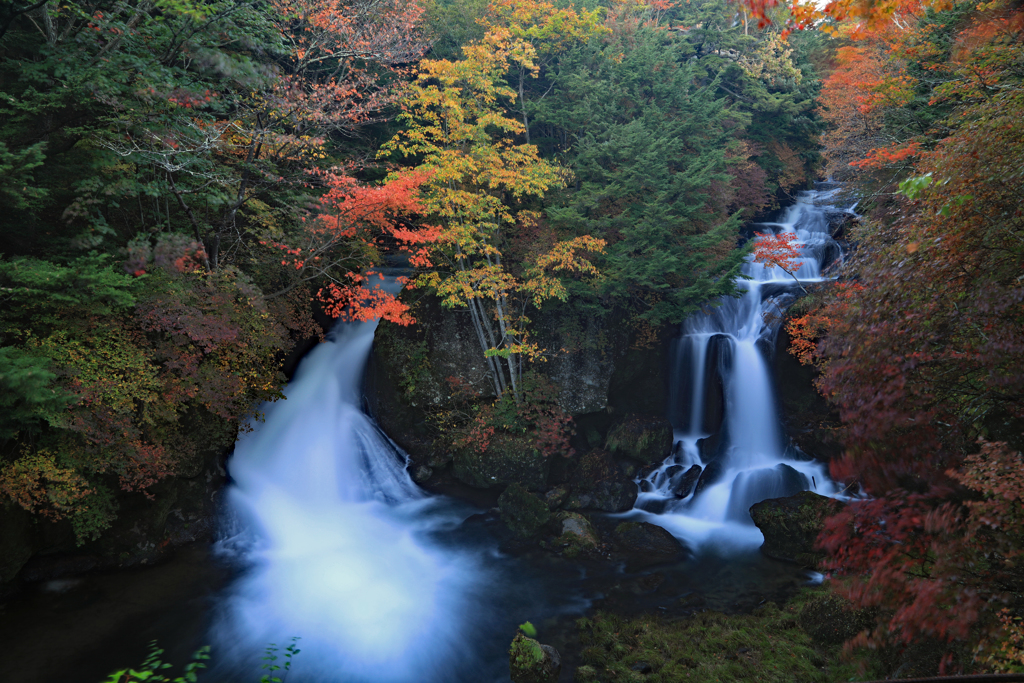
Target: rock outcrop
(599, 484)
(809, 420)
(643, 438)
(524, 513)
(645, 544)
(507, 460)
(791, 525)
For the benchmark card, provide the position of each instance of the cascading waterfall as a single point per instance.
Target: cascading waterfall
(343, 551)
(730, 449)
(385, 584)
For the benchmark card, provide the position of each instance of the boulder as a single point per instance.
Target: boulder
(709, 447)
(556, 496)
(686, 482)
(522, 512)
(791, 525)
(646, 544)
(421, 473)
(598, 484)
(508, 459)
(752, 486)
(578, 535)
(711, 475)
(531, 662)
(640, 437)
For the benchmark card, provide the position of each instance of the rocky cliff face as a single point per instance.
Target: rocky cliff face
(809, 420)
(616, 394)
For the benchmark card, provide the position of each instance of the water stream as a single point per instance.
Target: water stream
(385, 584)
(730, 449)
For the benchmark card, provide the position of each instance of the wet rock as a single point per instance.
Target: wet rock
(508, 459)
(556, 496)
(673, 471)
(531, 662)
(421, 473)
(598, 484)
(719, 355)
(711, 475)
(642, 667)
(438, 459)
(646, 544)
(645, 486)
(686, 483)
(578, 537)
(709, 447)
(522, 512)
(791, 525)
(756, 485)
(643, 438)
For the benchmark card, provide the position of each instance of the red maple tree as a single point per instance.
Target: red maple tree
(779, 251)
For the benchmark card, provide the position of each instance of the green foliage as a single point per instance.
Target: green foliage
(100, 368)
(16, 179)
(529, 629)
(768, 645)
(153, 667)
(649, 151)
(270, 662)
(27, 391)
(913, 187)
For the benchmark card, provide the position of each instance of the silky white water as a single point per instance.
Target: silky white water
(343, 552)
(745, 459)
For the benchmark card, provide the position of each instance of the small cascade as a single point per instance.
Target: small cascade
(342, 549)
(730, 449)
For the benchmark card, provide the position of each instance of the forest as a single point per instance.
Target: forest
(194, 191)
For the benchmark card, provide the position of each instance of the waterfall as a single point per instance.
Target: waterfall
(343, 550)
(730, 448)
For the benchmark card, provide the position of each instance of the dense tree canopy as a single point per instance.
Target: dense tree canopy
(922, 346)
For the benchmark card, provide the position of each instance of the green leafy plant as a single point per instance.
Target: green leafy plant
(151, 668)
(271, 665)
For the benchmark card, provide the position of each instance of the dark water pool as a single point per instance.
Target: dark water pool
(79, 631)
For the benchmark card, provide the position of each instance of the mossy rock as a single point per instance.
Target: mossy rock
(646, 544)
(509, 459)
(641, 437)
(578, 537)
(524, 513)
(531, 662)
(767, 645)
(791, 525)
(599, 484)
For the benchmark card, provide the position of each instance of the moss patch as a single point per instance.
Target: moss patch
(768, 645)
(646, 439)
(508, 459)
(523, 512)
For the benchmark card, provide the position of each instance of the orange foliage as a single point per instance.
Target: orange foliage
(777, 251)
(358, 221)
